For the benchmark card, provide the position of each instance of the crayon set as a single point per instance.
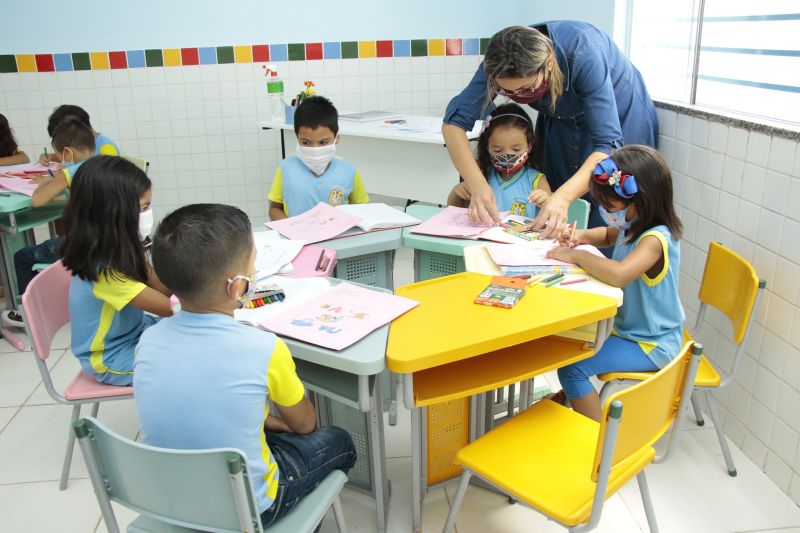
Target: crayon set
(266, 295)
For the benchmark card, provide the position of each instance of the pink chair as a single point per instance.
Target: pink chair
(45, 307)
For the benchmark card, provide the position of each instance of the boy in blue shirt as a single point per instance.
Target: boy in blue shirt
(103, 144)
(204, 380)
(314, 175)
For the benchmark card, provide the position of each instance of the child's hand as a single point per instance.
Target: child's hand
(43, 160)
(38, 180)
(569, 239)
(276, 424)
(562, 253)
(462, 191)
(538, 197)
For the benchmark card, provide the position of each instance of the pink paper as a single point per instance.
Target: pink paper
(20, 185)
(452, 222)
(27, 169)
(339, 317)
(320, 223)
(532, 254)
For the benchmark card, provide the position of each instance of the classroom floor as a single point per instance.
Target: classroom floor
(691, 493)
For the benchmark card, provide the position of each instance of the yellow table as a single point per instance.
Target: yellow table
(448, 347)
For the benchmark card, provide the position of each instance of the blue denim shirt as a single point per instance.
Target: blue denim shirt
(604, 104)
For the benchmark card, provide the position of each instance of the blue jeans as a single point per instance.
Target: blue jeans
(616, 355)
(29, 256)
(304, 461)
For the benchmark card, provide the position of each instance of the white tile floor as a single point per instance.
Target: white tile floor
(691, 493)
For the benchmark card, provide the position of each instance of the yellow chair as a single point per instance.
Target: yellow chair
(565, 465)
(731, 285)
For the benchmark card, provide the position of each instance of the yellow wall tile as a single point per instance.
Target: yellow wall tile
(172, 57)
(435, 47)
(99, 60)
(26, 63)
(366, 49)
(243, 54)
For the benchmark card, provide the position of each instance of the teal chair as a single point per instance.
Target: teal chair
(183, 491)
(579, 212)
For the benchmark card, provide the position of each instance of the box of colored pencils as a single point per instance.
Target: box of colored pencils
(266, 295)
(502, 292)
(528, 235)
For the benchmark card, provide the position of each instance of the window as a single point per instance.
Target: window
(733, 55)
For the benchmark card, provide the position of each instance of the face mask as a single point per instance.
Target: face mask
(529, 98)
(145, 223)
(509, 163)
(316, 158)
(249, 291)
(616, 219)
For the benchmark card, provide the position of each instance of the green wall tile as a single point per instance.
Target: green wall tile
(297, 52)
(484, 44)
(419, 47)
(8, 63)
(80, 61)
(349, 50)
(154, 58)
(224, 54)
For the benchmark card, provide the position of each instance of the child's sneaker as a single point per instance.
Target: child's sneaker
(12, 318)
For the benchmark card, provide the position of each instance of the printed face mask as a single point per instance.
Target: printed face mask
(616, 219)
(249, 290)
(509, 163)
(316, 158)
(145, 224)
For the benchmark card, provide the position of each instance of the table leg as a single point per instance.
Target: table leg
(417, 266)
(7, 272)
(394, 381)
(51, 226)
(283, 145)
(416, 470)
(389, 258)
(377, 449)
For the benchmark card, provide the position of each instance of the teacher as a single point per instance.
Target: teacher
(590, 100)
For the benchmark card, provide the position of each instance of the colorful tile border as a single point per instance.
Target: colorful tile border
(256, 53)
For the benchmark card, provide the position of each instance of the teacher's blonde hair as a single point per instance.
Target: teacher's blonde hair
(522, 52)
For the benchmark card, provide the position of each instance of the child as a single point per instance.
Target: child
(10, 154)
(505, 155)
(204, 380)
(73, 143)
(112, 284)
(633, 188)
(314, 175)
(103, 145)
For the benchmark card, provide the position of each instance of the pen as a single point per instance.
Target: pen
(576, 280)
(555, 281)
(319, 261)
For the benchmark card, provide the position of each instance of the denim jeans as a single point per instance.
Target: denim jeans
(304, 461)
(29, 256)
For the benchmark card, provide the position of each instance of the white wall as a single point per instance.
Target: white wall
(742, 188)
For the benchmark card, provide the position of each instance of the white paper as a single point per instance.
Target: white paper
(378, 216)
(274, 253)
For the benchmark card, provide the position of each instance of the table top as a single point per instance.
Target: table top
(364, 243)
(13, 201)
(442, 245)
(447, 326)
(421, 129)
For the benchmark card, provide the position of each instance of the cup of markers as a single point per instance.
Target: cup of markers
(266, 295)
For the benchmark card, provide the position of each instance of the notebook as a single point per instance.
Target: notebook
(369, 116)
(378, 216)
(451, 222)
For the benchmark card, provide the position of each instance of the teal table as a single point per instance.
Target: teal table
(17, 219)
(433, 256)
(367, 258)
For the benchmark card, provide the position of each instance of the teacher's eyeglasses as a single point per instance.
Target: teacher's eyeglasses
(525, 91)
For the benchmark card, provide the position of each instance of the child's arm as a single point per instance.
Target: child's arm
(646, 255)
(19, 158)
(459, 196)
(155, 283)
(276, 211)
(49, 189)
(598, 237)
(300, 417)
(542, 192)
(153, 301)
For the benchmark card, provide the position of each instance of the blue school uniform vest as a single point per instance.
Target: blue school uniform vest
(512, 194)
(302, 190)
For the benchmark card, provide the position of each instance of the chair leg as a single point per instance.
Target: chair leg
(698, 413)
(457, 499)
(76, 412)
(338, 514)
(723, 442)
(644, 490)
(95, 409)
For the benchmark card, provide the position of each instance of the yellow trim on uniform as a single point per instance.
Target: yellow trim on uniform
(646, 346)
(108, 149)
(535, 182)
(272, 467)
(98, 345)
(652, 282)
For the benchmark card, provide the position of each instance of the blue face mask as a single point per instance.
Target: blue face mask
(616, 219)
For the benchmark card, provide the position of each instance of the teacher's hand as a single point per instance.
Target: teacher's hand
(552, 216)
(482, 206)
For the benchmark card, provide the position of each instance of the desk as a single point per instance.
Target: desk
(393, 161)
(448, 348)
(367, 258)
(433, 256)
(17, 216)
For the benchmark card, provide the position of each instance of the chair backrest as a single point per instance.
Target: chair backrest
(140, 162)
(650, 407)
(731, 285)
(189, 488)
(579, 211)
(45, 305)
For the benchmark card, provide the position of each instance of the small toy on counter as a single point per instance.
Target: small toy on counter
(266, 295)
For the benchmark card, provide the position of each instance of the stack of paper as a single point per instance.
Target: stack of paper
(369, 116)
(273, 254)
(451, 222)
(532, 254)
(21, 185)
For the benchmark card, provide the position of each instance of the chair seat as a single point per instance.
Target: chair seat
(85, 387)
(544, 457)
(304, 517)
(707, 375)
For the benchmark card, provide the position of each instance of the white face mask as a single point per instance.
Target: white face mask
(616, 219)
(145, 223)
(316, 158)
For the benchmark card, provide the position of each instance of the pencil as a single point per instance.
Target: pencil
(554, 282)
(319, 261)
(576, 280)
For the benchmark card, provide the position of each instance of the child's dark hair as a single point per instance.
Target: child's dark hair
(219, 234)
(316, 112)
(73, 133)
(653, 201)
(8, 144)
(62, 112)
(102, 220)
(508, 116)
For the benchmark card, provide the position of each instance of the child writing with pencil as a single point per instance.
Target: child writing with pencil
(103, 144)
(10, 154)
(505, 155)
(314, 175)
(633, 188)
